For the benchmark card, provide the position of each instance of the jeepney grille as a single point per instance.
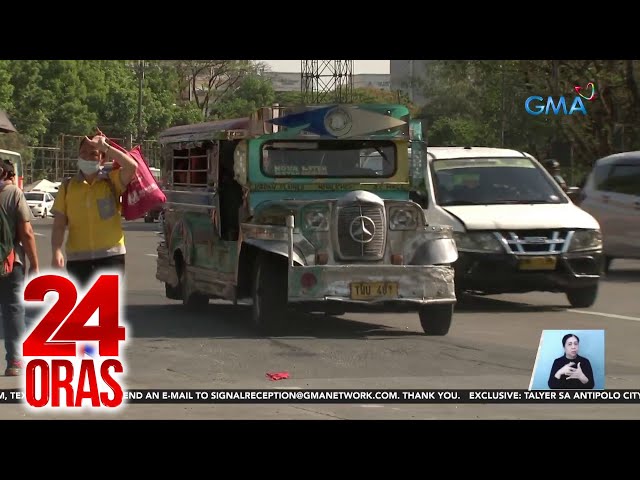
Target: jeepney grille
(350, 249)
(535, 242)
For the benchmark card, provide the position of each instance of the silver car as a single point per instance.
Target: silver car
(611, 194)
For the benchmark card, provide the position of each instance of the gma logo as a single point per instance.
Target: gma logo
(536, 105)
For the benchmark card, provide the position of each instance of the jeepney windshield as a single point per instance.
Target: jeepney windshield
(329, 158)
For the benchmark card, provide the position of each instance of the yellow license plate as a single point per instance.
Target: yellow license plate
(538, 263)
(373, 290)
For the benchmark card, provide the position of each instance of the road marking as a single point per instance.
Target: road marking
(39, 234)
(151, 254)
(610, 315)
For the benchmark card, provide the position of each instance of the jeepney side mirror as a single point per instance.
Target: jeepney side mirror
(421, 198)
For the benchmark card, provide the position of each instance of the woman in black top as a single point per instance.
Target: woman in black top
(571, 371)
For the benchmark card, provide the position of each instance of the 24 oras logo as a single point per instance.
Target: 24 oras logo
(64, 369)
(536, 105)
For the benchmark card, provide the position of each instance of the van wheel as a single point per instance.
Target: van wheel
(583, 297)
(436, 319)
(190, 299)
(269, 293)
(45, 214)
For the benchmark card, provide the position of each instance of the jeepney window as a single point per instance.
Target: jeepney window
(190, 167)
(329, 158)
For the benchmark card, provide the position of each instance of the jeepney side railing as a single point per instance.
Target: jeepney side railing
(190, 200)
(290, 227)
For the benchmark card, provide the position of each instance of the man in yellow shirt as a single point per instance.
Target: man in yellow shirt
(88, 205)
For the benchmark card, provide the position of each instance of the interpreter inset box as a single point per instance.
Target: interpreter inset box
(569, 360)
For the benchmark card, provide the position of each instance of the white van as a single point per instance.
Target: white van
(516, 230)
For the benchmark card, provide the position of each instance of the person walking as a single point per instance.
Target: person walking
(17, 241)
(88, 206)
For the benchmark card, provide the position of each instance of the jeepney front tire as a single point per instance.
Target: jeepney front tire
(269, 293)
(436, 319)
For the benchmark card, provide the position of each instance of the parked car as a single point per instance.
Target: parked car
(611, 193)
(515, 228)
(40, 203)
(153, 214)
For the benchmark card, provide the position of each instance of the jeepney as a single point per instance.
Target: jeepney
(306, 208)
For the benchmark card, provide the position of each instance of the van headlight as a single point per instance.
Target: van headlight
(403, 218)
(585, 240)
(316, 219)
(478, 242)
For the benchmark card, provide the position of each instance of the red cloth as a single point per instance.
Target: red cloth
(143, 193)
(278, 376)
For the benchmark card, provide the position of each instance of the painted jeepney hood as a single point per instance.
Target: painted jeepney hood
(375, 122)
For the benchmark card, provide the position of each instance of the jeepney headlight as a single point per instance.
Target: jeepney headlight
(585, 240)
(403, 218)
(316, 219)
(478, 242)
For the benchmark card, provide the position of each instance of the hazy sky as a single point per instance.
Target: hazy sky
(359, 66)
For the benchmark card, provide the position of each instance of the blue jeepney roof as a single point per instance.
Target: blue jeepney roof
(321, 121)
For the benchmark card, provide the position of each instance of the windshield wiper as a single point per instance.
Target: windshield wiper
(521, 202)
(459, 202)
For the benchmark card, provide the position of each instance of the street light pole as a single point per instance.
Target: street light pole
(502, 112)
(140, 87)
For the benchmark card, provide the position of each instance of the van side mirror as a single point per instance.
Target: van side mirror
(574, 193)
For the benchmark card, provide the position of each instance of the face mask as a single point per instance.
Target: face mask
(88, 167)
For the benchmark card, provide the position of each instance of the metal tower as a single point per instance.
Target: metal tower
(327, 81)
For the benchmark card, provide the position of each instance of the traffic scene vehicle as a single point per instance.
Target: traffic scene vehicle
(307, 208)
(515, 228)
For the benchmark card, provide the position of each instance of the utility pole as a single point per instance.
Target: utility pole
(502, 112)
(140, 90)
(326, 81)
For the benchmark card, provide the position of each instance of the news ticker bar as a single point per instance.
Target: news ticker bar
(281, 396)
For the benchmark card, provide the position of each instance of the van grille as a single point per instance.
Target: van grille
(535, 241)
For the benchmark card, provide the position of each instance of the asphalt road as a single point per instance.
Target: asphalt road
(492, 344)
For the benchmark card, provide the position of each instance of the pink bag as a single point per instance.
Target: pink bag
(143, 193)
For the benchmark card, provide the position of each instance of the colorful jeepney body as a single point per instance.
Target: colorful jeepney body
(307, 208)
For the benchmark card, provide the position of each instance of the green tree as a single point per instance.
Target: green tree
(6, 87)
(253, 92)
(31, 101)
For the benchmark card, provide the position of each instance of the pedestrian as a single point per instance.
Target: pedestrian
(16, 240)
(553, 167)
(89, 208)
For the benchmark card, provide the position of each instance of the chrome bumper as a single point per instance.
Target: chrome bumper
(417, 284)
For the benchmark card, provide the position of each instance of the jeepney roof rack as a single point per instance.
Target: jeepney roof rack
(333, 120)
(234, 128)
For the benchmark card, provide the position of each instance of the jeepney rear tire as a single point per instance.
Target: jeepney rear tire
(436, 319)
(269, 293)
(192, 300)
(172, 293)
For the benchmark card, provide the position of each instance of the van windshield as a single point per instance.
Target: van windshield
(329, 158)
(493, 181)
